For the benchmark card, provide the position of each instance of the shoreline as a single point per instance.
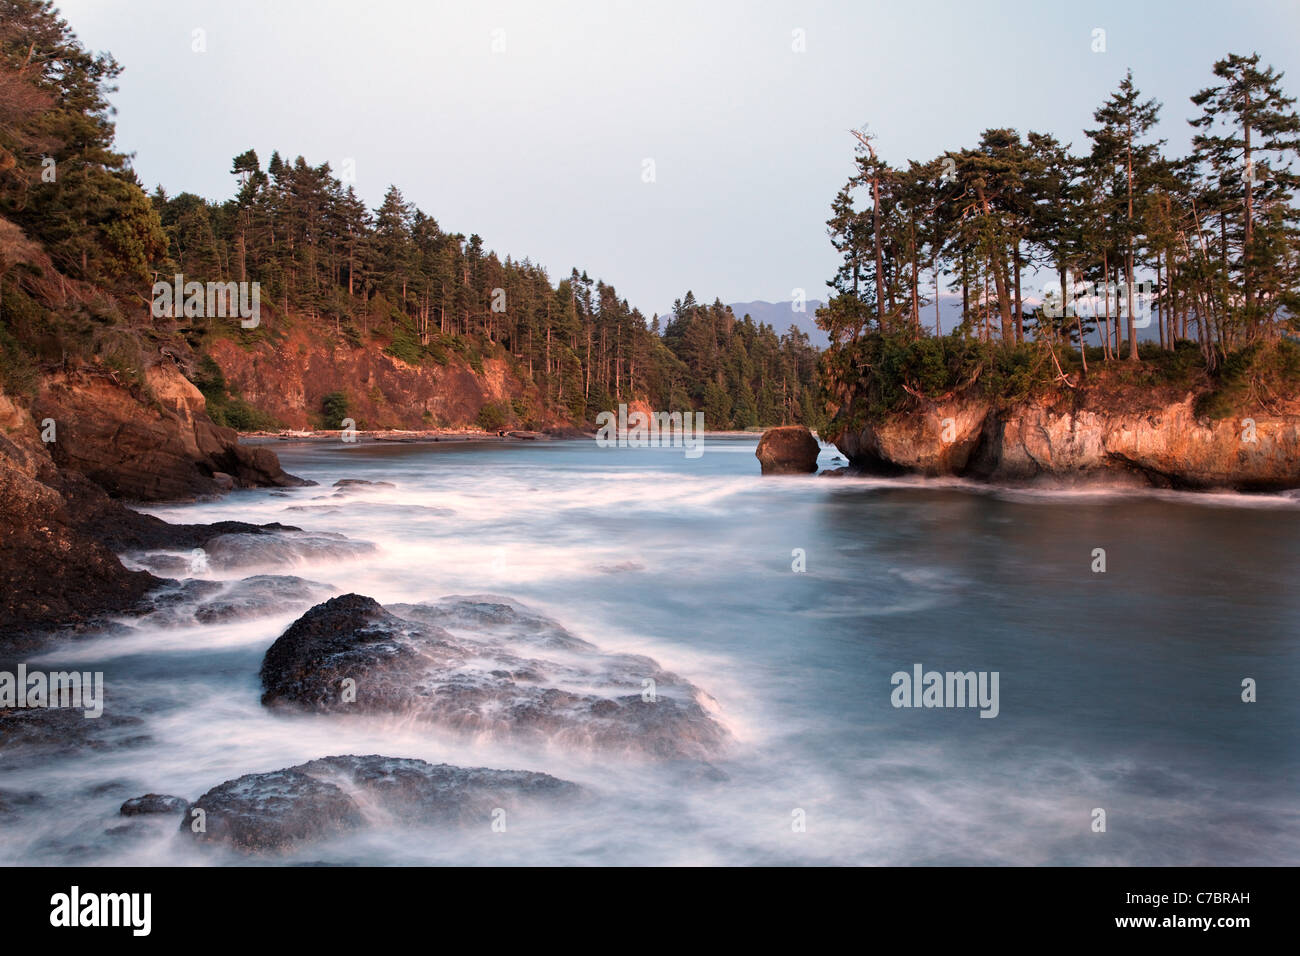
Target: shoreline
(421, 436)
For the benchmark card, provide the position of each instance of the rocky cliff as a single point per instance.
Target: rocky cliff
(147, 444)
(68, 453)
(1155, 439)
(288, 379)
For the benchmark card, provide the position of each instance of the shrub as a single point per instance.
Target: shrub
(491, 417)
(334, 408)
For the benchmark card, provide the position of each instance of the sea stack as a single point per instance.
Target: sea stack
(788, 450)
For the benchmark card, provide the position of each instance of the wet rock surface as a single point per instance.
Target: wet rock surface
(153, 804)
(271, 811)
(487, 665)
(276, 811)
(787, 450)
(39, 732)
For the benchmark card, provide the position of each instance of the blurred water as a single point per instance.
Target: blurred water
(1118, 690)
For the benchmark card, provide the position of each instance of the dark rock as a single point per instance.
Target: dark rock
(504, 671)
(12, 801)
(416, 792)
(42, 731)
(197, 601)
(362, 482)
(787, 450)
(276, 811)
(226, 552)
(152, 803)
(55, 574)
(271, 811)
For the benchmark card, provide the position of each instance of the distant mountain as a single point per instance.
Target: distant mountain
(781, 315)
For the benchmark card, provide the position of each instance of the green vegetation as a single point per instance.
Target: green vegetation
(225, 407)
(1216, 234)
(334, 408)
(492, 417)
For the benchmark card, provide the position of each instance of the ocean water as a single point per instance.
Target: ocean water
(1119, 691)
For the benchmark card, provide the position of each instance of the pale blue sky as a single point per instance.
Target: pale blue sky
(540, 148)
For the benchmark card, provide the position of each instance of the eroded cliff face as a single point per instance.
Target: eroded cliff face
(55, 573)
(156, 446)
(1089, 439)
(289, 379)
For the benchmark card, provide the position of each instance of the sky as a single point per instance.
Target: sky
(660, 146)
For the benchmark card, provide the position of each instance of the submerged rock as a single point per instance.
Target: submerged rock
(198, 601)
(153, 803)
(274, 549)
(276, 811)
(39, 732)
(485, 665)
(787, 450)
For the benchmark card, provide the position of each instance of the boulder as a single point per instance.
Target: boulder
(787, 450)
(483, 665)
(276, 811)
(271, 811)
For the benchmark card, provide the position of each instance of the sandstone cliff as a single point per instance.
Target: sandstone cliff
(1156, 440)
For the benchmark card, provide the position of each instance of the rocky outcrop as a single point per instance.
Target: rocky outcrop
(270, 812)
(166, 448)
(485, 665)
(1162, 445)
(60, 532)
(55, 574)
(787, 450)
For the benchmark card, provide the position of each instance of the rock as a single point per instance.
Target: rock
(787, 450)
(224, 481)
(362, 482)
(40, 732)
(281, 548)
(56, 575)
(154, 803)
(1095, 438)
(271, 811)
(276, 811)
(197, 601)
(486, 666)
(166, 449)
(13, 801)
(416, 792)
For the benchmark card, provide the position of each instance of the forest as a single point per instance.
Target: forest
(1203, 247)
(79, 232)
